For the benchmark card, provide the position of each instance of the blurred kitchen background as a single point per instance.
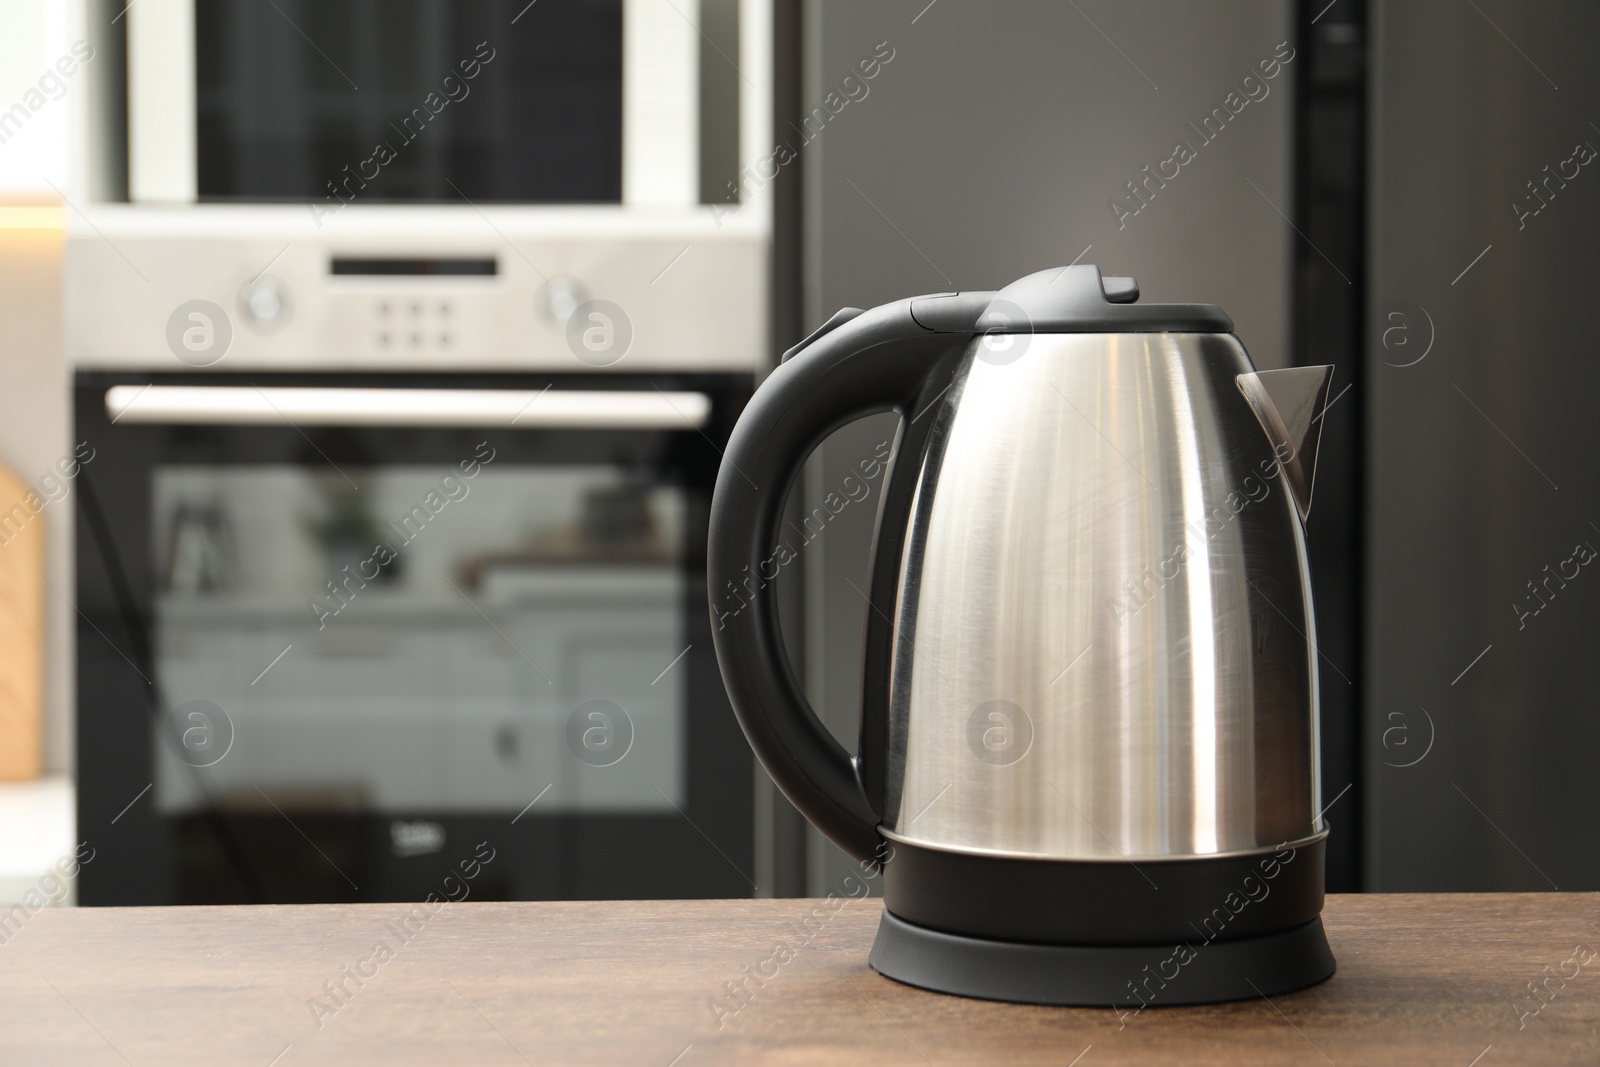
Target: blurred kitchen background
(232, 231)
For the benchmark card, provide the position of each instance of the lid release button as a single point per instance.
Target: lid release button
(1120, 290)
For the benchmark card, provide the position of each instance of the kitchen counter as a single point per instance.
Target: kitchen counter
(1422, 980)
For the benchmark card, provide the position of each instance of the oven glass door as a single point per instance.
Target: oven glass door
(343, 657)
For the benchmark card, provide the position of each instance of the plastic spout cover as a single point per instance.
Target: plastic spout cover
(1289, 404)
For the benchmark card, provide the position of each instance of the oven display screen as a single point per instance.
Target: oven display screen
(354, 101)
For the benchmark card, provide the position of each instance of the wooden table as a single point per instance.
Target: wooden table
(1421, 980)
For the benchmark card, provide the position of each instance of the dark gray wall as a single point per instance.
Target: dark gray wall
(1481, 469)
(989, 147)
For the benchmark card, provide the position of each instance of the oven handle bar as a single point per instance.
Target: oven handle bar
(547, 408)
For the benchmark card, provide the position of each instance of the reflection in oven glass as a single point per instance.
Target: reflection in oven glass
(410, 638)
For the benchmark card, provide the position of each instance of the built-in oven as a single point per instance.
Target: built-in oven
(405, 337)
(343, 635)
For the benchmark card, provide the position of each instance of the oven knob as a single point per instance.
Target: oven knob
(265, 303)
(558, 299)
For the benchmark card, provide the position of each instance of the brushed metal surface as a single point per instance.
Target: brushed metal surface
(1104, 645)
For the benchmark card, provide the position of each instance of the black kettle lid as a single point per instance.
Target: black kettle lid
(1074, 299)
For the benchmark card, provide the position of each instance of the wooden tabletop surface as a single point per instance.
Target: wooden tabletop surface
(1421, 980)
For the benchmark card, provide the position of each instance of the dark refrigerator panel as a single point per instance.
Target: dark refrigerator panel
(1484, 607)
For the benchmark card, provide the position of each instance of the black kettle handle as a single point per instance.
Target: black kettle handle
(859, 363)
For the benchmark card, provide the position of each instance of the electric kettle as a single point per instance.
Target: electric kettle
(1088, 759)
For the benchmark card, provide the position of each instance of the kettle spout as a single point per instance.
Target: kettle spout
(1289, 405)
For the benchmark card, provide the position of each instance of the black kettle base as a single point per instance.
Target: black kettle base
(1122, 976)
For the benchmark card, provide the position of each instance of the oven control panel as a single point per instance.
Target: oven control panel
(415, 288)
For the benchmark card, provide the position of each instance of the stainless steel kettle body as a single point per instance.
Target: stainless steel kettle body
(1089, 738)
(1103, 645)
